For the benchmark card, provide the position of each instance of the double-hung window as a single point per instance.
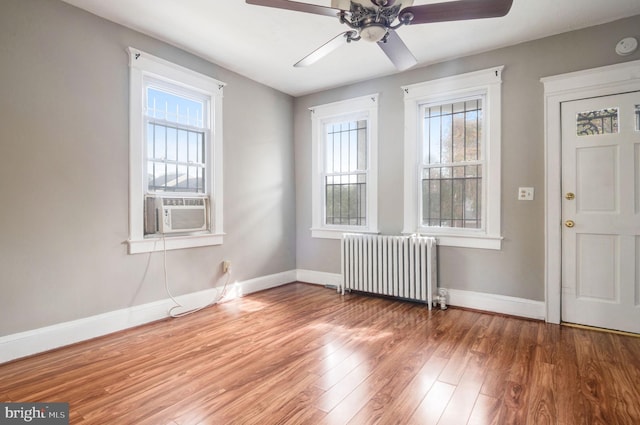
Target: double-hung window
(452, 159)
(175, 154)
(344, 140)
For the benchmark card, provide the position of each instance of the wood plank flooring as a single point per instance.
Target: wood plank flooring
(302, 354)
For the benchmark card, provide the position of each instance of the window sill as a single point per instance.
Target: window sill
(173, 242)
(337, 233)
(467, 241)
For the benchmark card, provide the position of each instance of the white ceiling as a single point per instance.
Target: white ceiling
(263, 43)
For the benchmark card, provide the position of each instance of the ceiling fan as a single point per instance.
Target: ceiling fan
(376, 21)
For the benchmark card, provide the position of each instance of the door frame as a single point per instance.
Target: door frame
(602, 81)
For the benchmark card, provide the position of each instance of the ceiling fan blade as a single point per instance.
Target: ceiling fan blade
(325, 49)
(397, 52)
(456, 11)
(297, 6)
(340, 4)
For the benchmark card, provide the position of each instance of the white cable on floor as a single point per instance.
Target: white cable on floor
(219, 295)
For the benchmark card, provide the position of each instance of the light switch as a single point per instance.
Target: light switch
(525, 194)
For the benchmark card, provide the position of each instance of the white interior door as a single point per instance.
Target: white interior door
(601, 212)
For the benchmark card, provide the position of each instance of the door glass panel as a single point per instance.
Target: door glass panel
(637, 117)
(603, 121)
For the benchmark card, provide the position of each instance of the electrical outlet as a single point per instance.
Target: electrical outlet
(226, 266)
(525, 194)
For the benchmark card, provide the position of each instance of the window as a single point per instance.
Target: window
(175, 149)
(604, 121)
(344, 194)
(452, 159)
(345, 173)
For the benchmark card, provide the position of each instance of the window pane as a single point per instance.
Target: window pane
(174, 159)
(451, 196)
(345, 200)
(346, 146)
(181, 181)
(446, 202)
(159, 140)
(156, 175)
(473, 128)
(452, 133)
(329, 154)
(362, 145)
(193, 176)
(169, 137)
(446, 137)
(459, 127)
(174, 108)
(433, 141)
(192, 148)
(604, 121)
(200, 182)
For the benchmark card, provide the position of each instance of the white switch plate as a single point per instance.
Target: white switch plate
(525, 194)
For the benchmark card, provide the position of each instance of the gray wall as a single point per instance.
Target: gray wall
(64, 168)
(518, 269)
(64, 172)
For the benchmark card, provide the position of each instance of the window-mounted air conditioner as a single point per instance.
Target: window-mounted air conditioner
(176, 214)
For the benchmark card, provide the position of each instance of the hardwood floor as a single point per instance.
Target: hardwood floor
(302, 354)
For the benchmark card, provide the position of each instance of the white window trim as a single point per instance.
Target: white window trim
(141, 65)
(487, 82)
(360, 107)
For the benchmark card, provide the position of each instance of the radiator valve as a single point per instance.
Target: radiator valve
(442, 298)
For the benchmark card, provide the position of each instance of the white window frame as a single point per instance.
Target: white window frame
(365, 107)
(143, 66)
(486, 83)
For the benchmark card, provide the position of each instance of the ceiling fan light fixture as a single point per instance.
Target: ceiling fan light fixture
(373, 32)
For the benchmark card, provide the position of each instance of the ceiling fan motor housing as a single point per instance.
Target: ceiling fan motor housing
(372, 23)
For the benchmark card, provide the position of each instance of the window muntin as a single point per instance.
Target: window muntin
(451, 172)
(345, 178)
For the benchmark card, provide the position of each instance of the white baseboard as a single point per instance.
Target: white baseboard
(319, 278)
(497, 303)
(47, 338)
(266, 282)
(477, 300)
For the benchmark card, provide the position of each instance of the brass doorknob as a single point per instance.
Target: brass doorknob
(569, 223)
(569, 196)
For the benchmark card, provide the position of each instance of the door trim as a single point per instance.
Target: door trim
(603, 81)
